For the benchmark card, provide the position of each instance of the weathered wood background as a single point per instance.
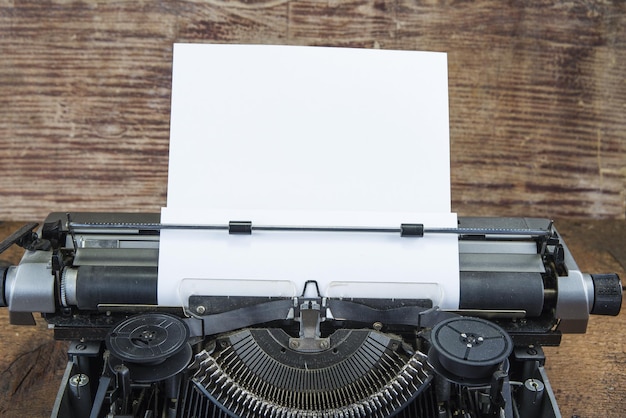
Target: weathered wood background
(537, 94)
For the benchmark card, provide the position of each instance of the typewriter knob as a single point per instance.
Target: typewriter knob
(607, 294)
(4, 267)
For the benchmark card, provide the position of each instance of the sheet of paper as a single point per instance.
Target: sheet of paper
(308, 136)
(347, 264)
(306, 128)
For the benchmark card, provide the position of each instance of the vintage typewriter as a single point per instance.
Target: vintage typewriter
(93, 277)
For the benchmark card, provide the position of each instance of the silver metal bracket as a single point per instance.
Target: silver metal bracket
(311, 314)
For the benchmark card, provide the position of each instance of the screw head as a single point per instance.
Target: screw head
(79, 380)
(200, 309)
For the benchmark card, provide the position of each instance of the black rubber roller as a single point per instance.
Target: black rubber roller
(607, 294)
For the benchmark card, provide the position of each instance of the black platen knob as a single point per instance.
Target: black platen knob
(607, 294)
(4, 266)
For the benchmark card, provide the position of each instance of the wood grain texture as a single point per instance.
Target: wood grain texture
(537, 94)
(586, 371)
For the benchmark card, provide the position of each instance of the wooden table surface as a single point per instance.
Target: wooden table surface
(587, 371)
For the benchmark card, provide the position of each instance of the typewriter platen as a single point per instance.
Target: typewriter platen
(94, 276)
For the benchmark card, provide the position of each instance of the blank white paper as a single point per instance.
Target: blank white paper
(282, 135)
(308, 128)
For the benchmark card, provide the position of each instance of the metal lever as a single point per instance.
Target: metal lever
(23, 237)
(246, 227)
(310, 318)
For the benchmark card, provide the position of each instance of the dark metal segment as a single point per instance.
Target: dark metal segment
(247, 316)
(406, 315)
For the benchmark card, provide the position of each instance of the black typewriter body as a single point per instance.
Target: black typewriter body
(308, 356)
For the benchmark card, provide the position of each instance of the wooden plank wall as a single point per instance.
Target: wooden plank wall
(537, 94)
